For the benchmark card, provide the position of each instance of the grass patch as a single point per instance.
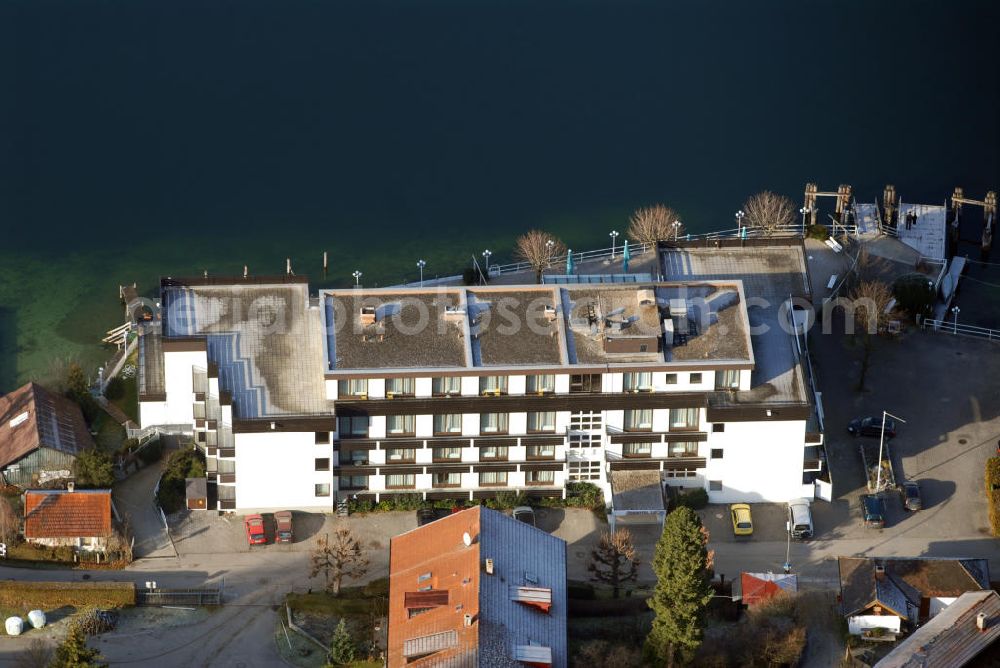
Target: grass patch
(318, 613)
(129, 401)
(45, 595)
(109, 435)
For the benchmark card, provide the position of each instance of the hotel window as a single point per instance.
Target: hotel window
(684, 472)
(584, 470)
(541, 384)
(352, 427)
(716, 453)
(357, 387)
(442, 387)
(637, 449)
(541, 451)
(398, 387)
(323, 489)
(493, 385)
(399, 425)
(727, 379)
(322, 437)
(542, 421)
(719, 426)
(322, 464)
(493, 423)
(590, 382)
(715, 485)
(638, 382)
(540, 477)
(684, 449)
(447, 480)
(493, 453)
(400, 480)
(450, 423)
(353, 482)
(683, 419)
(399, 455)
(447, 454)
(639, 420)
(359, 458)
(695, 379)
(671, 379)
(493, 478)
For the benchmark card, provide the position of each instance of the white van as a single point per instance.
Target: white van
(800, 522)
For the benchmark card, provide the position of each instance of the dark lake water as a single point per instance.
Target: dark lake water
(140, 139)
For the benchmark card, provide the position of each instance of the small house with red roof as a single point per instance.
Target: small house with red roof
(755, 588)
(80, 519)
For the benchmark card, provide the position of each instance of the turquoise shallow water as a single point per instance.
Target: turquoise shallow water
(141, 139)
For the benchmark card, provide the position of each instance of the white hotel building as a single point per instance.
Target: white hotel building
(462, 392)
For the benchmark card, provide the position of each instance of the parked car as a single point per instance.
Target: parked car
(742, 520)
(871, 426)
(255, 529)
(800, 522)
(425, 516)
(873, 511)
(283, 533)
(524, 514)
(911, 496)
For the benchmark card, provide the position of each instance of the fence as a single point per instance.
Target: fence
(963, 330)
(157, 596)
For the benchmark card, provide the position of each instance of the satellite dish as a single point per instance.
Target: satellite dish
(467, 539)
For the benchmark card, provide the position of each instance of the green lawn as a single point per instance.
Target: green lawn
(110, 434)
(129, 402)
(319, 613)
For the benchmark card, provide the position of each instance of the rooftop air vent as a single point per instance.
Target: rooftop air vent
(489, 566)
(367, 315)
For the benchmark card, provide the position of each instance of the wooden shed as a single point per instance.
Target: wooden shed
(196, 491)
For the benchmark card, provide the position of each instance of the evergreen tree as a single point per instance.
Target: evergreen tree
(682, 588)
(93, 468)
(341, 647)
(74, 653)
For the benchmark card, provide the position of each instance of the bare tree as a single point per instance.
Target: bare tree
(9, 522)
(769, 212)
(120, 541)
(538, 249)
(341, 557)
(870, 303)
(614, 560)
(654, 223)
(38, 654)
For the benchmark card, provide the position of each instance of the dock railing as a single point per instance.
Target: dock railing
(951, 327)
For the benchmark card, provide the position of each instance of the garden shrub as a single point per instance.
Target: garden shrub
(185, 463)
(695, 499)
(582, 591)
(914, 293)
(818, 232)
(115, 389)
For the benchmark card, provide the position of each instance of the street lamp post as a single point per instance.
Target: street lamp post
(486, 254)
(614, 237)
(739, 221)
(357, 278)
(881, 442)
(804, 210)
(420, 265)
(956, 311)
(549, 245)
(677, 229)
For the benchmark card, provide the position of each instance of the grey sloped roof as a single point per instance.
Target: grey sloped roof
(522, 556)
(951, 639)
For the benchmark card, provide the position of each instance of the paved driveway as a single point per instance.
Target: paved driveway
(134, 496)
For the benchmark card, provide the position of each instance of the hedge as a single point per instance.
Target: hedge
(993, 492)
(50, 595)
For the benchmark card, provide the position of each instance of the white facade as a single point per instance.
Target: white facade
(277, 471)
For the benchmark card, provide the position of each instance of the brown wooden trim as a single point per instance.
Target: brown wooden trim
(227, 452)
(150, 397)
(758, 413)
(387, 469)
(199, 396)
(544, 493)
(199, 423)
(522, 403)
(685, 436)
(185, 344)
(813, 438)
(227, 477)
(444, 496)
(633, 465)
(543, 440)
(572, 369)
(489, 493)
(543, 467)
(450, 468)
(495, 442)
(351, 445)
(312, 423)
(213, 370)
(684, 462)
(225, 398)
(353, 470)
(485, 468)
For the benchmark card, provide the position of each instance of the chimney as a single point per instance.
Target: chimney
(879, 571)
(489, 567)
(468, 619)
(981, 622)
(70, 486)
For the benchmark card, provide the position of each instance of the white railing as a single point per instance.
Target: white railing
(952, 327)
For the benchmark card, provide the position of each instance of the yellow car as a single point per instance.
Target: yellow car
(742, 521)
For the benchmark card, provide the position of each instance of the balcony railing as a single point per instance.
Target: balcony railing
(227, 478)
(227, 504)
